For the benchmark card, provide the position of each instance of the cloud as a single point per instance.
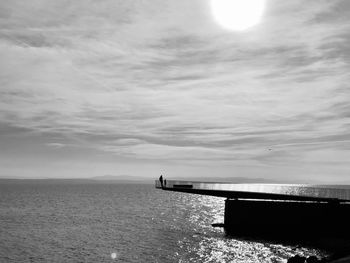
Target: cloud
(56, 145)
(162, 81)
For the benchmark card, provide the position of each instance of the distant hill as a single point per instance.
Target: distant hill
(122, 179)
(45, 181)
(128, 179)
(110, 179)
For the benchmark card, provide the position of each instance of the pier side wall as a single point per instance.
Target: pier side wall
(281, 217)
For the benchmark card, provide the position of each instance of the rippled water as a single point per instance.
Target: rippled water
(89, 222)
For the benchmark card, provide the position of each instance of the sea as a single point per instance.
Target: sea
(84, 222)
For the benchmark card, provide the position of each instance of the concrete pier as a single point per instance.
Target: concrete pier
(287, 218)
(276, 209)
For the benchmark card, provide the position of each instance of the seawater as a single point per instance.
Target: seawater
(61, 222)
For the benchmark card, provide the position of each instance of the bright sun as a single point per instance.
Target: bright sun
(237, 14)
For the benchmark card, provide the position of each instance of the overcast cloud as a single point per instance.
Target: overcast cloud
(147, 87)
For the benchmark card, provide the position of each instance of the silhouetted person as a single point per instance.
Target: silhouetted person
(164, 182)
(161, 180)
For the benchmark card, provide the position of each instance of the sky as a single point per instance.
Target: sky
(145, 87)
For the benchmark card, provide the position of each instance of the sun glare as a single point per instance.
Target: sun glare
(237, 14)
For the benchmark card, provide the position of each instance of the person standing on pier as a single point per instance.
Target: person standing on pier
(161, 180)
